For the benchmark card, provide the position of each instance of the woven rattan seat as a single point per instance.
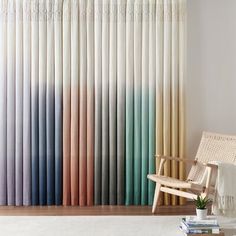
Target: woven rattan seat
(170, 182)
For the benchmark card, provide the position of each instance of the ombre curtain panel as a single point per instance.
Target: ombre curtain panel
(90, 90)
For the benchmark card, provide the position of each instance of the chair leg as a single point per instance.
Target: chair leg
(156, 197)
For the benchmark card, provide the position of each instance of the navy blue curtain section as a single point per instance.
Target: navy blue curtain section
(35, 108)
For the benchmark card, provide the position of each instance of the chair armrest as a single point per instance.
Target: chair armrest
(177, 159)
(210, 168)
(213, 166)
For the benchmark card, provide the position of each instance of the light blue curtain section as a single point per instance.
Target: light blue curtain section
(3, 108)
(30, 104)
(11, 73)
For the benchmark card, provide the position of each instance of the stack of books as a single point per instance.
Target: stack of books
(193, 226)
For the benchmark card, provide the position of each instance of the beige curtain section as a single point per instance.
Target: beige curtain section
(170, 95)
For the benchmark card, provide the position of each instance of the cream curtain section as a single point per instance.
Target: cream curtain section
(170, 88)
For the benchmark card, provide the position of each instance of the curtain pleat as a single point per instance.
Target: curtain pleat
(19, 103)
(129, 103)
(34, 101)
(121, 95)
(90, 102)
(58, 101)
(105, 102)
(90, 90)
(75, 104)
(27, 179)
(181, 6)
(152, 93)
(50, 110)
(3, 103)
(174, 96)
(144, 103)
(83, 105)
(159, 85)
(98, 101)
(112, 103)
(137, 99)
(66, 102)
(42, 106)
(11, 73)
(167, 91)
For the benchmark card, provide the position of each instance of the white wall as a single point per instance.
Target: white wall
(211, 69)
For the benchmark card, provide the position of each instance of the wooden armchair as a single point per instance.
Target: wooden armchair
(202, 176)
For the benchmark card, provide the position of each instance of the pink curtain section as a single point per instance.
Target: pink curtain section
(78, 105)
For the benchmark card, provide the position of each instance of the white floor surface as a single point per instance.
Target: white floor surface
(98, 226)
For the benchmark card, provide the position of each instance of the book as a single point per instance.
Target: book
(208, 221)
(197, 229)
(200, 225)
(200, 231)
(220, 234)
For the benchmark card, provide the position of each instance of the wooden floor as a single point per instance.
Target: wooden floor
(187, 209)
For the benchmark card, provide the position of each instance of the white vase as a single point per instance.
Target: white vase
(201, 214)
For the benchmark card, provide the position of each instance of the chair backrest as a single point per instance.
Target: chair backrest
(213, 147)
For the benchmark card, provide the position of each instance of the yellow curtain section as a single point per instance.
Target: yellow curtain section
(170, 94)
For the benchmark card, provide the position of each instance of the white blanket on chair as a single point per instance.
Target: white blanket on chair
(225, 196)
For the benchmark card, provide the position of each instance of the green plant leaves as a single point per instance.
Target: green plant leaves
(201, 202)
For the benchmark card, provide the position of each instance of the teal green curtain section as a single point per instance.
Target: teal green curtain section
(140, 100)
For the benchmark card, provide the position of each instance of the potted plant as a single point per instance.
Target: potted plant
(201, 207)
